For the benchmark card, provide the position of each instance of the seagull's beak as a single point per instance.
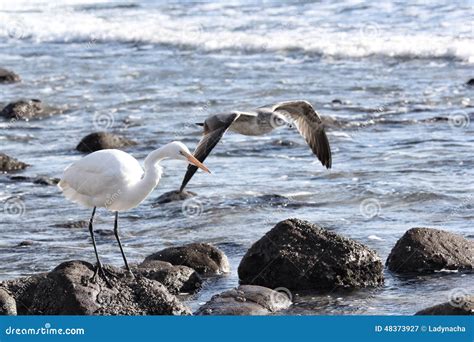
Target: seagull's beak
(192, 160)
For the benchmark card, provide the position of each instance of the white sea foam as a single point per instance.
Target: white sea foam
(266, 31)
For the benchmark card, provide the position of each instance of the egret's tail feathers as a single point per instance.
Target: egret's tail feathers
(75, 196)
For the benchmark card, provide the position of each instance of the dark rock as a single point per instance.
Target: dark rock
(336, 101)
(25, 243)
(8, 163)
(68, 290)
(470, 82)
(246, 300)
(202, 257)
(27, 109)
(172, 196)
(299, 255)
(41, 180)
(285, 143)
(101, 141)
(7, 303)
(426, 250)
(72, 224)
(460, 306)
(7, 76)
(22, 290)
(177, 279)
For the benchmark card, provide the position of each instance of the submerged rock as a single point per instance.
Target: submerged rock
(459, 306)
(177, 279)
(41, 180)
(27, 109)
(470, 82)
(101, 141)
(72, 224)
(299, 255)
(246, 300)
(204, 258)
(8, 163)
(172, 196)
(68, 290)
(7, 76)
(426, 250)
(7, 303)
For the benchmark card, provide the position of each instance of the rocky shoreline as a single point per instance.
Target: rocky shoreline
(295, 255)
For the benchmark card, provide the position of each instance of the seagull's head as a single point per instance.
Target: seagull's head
(278, 120)
(178, 150)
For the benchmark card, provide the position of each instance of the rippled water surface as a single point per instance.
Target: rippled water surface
(401, 128)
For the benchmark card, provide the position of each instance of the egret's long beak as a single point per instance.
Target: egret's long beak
(192, 160)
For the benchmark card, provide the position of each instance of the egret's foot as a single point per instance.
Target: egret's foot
(100, 271)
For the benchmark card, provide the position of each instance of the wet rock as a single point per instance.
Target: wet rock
(426, 250)
(8, 163)
(68, 290)
(172, 196)
(336, 101)
(246, 300)
(101, 141)
(273, 200)
(7, 76)
(22, 290)
(25, 243)
(470, 82)
(40, 180)
(460, 306)
(177, 279)
(7, 303)
(72, 224)
(285, 143)
(204, 258)
(27, 109)
(299, 255)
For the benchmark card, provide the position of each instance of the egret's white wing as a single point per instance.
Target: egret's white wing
(100, 173)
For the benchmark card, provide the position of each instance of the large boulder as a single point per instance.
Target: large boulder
(299, 255)
(173, 196)
(426, 250)
(456, 306)
(27, 109)
(246, 300)
(68, 290)
(7, 76)
(177, 279)
(206, 259)
(101, 141)
(8, 163)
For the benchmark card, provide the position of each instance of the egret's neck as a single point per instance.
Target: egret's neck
(140, 190)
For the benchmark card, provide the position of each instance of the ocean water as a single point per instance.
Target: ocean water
(401, 128)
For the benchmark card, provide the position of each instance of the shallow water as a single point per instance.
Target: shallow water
(151, 71)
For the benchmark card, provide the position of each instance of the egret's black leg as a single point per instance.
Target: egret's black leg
(99, 264)
(119, 243)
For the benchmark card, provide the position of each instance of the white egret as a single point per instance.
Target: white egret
(114, 180)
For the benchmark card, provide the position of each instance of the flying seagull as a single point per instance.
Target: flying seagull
(263, 120)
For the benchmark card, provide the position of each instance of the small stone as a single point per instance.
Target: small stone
(103, 140)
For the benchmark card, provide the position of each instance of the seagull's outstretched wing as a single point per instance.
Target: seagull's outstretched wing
(214, 128)
(310, 126)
